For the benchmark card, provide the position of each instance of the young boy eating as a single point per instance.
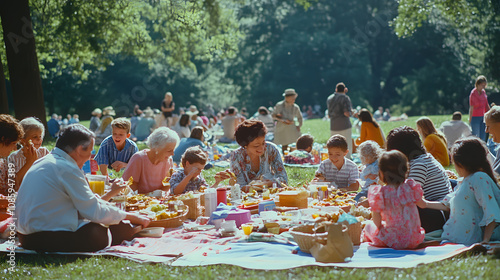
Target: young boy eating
(189, 178)
(338, 169)
(116, 150)
(31, 150)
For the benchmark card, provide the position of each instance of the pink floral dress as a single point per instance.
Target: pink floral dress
(400, 223)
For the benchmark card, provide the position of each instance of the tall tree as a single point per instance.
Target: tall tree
(22, 60)
(4, 105)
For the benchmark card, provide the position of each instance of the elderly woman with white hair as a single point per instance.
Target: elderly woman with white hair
(150, 166)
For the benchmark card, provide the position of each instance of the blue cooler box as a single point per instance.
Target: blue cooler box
(267, 206)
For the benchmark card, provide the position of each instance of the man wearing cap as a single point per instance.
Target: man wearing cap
(195, 119)
(339, 110)
(289, 120)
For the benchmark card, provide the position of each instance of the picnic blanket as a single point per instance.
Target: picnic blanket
(275, 256)
(181, 248)
(169, 247)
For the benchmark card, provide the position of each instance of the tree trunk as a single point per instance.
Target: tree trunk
(22, 60)
(4, 102)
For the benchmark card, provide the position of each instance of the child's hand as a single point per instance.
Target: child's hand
(118, 165)
(422, 203)
(319, 178)
(194, 172)
(371, 176)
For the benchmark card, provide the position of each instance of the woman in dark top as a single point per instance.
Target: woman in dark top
(167, 107)
(425, 170)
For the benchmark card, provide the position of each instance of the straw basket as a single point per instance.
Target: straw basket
(305, 236)
(194, 207)
(172, 222)
(354, 232)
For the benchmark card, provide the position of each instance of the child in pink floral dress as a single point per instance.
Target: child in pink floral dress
(394, 210)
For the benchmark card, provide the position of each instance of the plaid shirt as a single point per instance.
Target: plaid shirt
(193, 185)
(108, 153)
(347, 175)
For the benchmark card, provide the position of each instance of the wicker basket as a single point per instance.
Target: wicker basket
(172, 222)
(194, 207)
(354, 231)
(305, 236)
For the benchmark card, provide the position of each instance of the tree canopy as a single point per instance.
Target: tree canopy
(416, 56)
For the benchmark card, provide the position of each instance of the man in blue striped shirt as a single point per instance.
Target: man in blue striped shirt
(116, 150)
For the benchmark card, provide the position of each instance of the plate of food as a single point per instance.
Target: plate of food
(151, 232)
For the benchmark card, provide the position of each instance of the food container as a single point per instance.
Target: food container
(221, 195)
(293, 199)
(266, 206)
(194, 207)
(172, 222)
(151, 232)
(240, 216)
(210, 202)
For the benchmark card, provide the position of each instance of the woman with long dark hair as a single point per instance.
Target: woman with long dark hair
(474, 205)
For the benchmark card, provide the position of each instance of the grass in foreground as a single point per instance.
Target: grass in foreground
(58, 267)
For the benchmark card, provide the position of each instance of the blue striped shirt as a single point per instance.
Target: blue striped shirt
(108, 153)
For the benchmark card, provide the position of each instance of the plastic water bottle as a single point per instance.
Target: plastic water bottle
(210, 153)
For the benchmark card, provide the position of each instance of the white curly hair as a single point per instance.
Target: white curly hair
(161, 137)
(369, 150)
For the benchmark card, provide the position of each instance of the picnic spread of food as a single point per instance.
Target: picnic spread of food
(302, 209)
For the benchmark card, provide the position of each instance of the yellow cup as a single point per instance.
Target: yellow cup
(97, 183)
(247, 228)
(97, 187)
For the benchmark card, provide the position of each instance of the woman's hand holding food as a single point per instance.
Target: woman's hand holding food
(29, 152)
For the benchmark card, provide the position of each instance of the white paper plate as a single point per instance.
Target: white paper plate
(151, 232)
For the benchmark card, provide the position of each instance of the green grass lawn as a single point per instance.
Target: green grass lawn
(57, 267)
